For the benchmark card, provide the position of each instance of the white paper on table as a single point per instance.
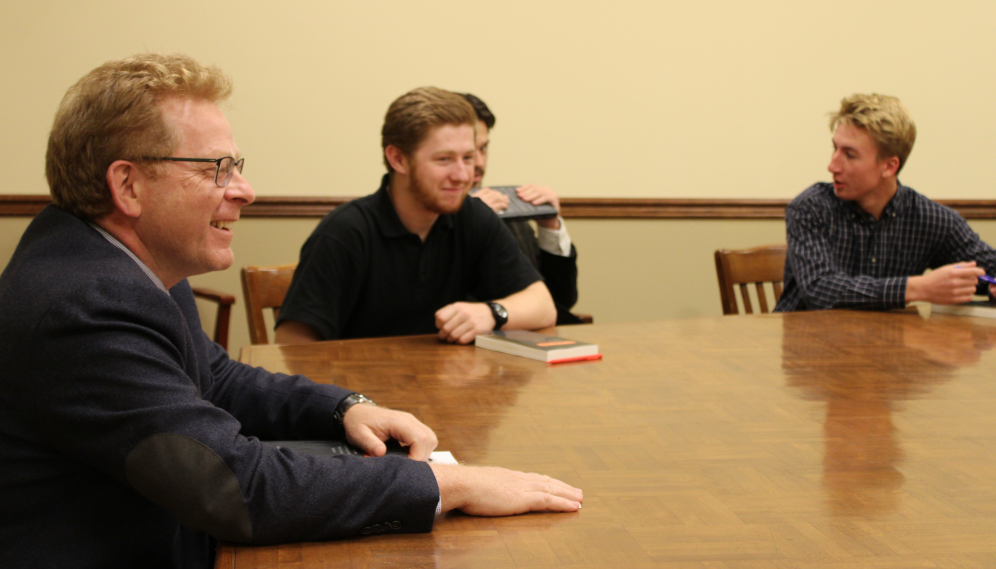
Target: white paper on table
(442, 457)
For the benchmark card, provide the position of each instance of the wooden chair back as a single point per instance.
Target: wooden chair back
(224, 317)
(264, 287)
(743, 267)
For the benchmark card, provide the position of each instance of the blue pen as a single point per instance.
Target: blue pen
(988, 279)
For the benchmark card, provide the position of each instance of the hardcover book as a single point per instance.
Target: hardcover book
(549, 349)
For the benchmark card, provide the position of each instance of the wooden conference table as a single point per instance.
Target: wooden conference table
(827, 439)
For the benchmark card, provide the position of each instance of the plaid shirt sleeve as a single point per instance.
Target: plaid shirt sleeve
(964, 244)
(822, 280)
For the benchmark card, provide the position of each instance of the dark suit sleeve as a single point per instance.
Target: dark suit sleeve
(128, 402)
(270, 406)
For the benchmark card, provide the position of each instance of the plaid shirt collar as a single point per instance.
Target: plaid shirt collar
(898, 206)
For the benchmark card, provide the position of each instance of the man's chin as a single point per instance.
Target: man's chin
(447, 207)
(221, 261)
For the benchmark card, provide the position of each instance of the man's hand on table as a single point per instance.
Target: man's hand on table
(461, 322)
(368, 426)
(950, 284)
(493, 491)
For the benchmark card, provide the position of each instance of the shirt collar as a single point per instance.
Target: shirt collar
(900, 203)
(387, 217)
(113, 240)
(897, 206)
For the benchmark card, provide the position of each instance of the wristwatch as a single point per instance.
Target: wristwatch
(348, 402)
(500, 314)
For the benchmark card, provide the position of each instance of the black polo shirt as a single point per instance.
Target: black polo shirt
(363, 274)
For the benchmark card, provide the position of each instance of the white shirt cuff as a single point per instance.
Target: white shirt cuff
(555, 241)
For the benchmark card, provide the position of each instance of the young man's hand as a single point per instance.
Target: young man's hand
(461, 322)
(537, 195)
(495, 200)
(950, 284)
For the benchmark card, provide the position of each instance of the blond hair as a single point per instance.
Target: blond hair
(884, 118)
(113, 113)
(412, 115)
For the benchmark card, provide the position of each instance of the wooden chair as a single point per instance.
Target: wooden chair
(755, 266)
(224, 316)
(264, 287)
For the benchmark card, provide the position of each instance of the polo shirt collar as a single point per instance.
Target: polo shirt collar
(387, 217)
(897, 206)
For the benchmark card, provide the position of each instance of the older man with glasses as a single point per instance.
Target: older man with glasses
(127, 438)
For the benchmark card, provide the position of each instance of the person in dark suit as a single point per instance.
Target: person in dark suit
(128, 438)
(548, 247)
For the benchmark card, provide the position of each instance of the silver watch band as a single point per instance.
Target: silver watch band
(347, 403)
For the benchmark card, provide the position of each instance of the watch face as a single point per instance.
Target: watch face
(501, 311)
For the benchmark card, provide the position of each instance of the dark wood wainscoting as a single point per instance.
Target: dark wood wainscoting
(577, 208)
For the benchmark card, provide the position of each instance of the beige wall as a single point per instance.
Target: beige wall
(637, 98)
(634, 98)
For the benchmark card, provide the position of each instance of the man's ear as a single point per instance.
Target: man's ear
(397, 159)
(891, 166)
(126, 183)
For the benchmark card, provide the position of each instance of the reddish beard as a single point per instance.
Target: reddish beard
(429, 199)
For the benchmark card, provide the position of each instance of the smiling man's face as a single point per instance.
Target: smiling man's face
(186, 221)
(442, 168)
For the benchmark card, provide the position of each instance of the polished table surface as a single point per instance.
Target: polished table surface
(826, 439)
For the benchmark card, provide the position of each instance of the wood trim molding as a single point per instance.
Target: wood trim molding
(22, 206)
(577, 208)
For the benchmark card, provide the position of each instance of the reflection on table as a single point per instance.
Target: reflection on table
(825, 439)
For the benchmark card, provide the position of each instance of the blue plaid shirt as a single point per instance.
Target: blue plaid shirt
(840, 257)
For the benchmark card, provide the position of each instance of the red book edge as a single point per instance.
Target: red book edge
(577, 359)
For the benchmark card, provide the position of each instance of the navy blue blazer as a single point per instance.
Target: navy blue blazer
(128, 438)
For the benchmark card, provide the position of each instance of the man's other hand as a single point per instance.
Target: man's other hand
(950, 284)
(492, 491)
(495, 200)
(461, 322)
(537, 195)
(368, 426)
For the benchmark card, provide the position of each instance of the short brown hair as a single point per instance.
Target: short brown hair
(884, 118)
(113, 113)
(412, 115)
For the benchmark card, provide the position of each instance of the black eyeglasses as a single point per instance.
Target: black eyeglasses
(225, 167)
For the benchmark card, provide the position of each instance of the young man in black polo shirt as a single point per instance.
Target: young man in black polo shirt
(402, 261)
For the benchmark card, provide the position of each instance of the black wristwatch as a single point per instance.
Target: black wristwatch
(348, 402)
(500, 314)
